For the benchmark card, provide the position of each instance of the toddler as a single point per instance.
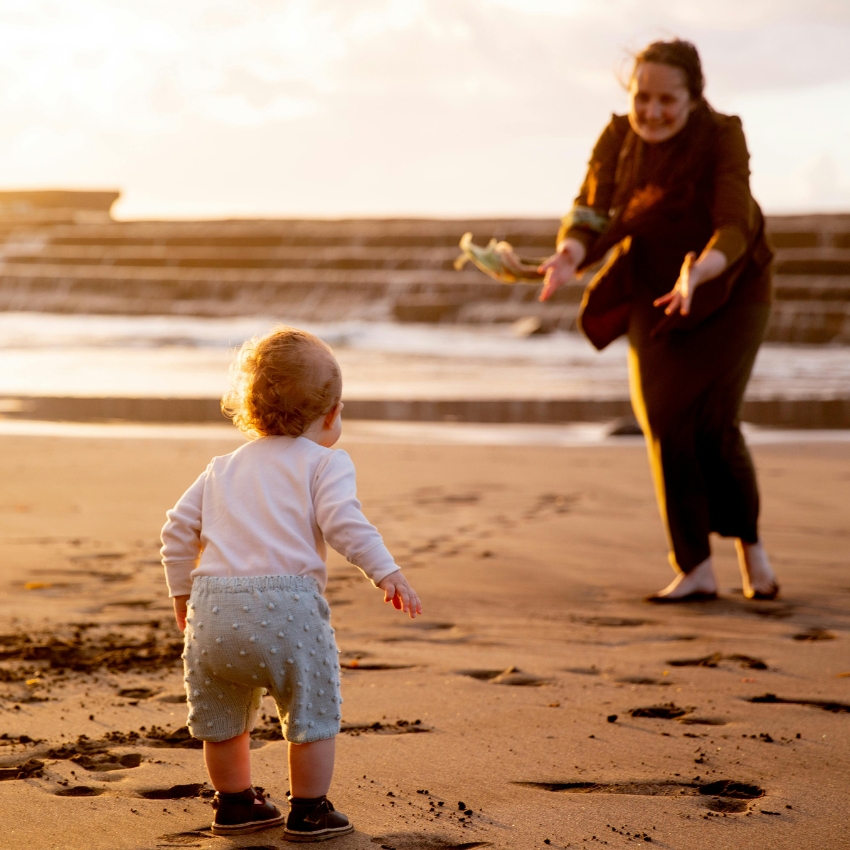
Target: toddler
(244, 557)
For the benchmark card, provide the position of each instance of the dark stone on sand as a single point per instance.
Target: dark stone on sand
(612, 718)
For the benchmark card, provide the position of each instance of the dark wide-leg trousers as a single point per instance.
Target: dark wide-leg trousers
(687, 388)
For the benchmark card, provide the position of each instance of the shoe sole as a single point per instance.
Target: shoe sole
(319, 835)
(243, 828)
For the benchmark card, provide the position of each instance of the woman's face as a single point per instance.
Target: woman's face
(659, 101)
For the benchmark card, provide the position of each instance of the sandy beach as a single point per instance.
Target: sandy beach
(539, 702)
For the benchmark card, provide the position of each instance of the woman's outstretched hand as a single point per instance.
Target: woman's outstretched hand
(561, 268)
(400, 593)
(680, 296)
(694, 272)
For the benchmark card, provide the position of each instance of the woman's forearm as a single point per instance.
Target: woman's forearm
(573, 248)
(710, 264)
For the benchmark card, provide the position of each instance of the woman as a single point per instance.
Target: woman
(668, 190)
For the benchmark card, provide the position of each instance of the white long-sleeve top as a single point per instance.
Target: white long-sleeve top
(267, 509)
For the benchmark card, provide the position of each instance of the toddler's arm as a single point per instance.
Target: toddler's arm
(344, 526)
(181, 539)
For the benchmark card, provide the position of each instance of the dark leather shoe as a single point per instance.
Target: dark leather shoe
(314, 820)
(245, 811)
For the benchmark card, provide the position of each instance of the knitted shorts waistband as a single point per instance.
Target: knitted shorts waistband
(251, 584)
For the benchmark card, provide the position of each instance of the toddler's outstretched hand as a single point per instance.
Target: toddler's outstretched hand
(400, 593)
(180, 611)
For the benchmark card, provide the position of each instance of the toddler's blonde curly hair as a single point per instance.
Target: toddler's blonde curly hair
(281, 383)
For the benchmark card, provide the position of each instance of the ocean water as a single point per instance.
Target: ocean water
(169, 356)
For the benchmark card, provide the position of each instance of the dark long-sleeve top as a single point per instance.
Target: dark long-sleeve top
(734, 215)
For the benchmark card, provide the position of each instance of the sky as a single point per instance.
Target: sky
(258, 108)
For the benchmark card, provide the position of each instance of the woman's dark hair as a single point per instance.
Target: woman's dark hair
(677, 54)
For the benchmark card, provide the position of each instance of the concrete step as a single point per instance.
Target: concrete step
(813, 322)
(812, 261)
(229, 283)
(325, 257)
(306, 233)
(809, 231)
(799, 287)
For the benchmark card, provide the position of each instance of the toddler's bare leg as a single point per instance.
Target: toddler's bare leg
(229, 763)
(311, 768)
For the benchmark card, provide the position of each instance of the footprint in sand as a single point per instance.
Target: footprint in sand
(510, 676)
(669, 711)
(643, 680)
(612, 622)
(175, 792)
(31, 768)
(826, 705)
(814, 634)
(79, 791)
(583, 671)
(701, 721)
(714, 659)
(726, 795)
(271, 731)
(422, 841)
(107, 761)
(400, 727)
(195, 838)
(136, 693)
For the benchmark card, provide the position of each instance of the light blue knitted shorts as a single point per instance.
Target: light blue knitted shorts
(248, 634)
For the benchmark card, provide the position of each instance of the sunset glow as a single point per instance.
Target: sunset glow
(423, 107)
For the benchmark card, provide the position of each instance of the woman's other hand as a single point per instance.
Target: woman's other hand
(561, 267)
(694, 272)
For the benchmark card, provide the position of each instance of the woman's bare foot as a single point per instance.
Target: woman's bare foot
(756, 572)
(699, 584)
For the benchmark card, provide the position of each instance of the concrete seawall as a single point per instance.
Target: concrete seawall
(784, 413)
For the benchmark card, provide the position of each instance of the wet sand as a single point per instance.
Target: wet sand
(538, 703)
